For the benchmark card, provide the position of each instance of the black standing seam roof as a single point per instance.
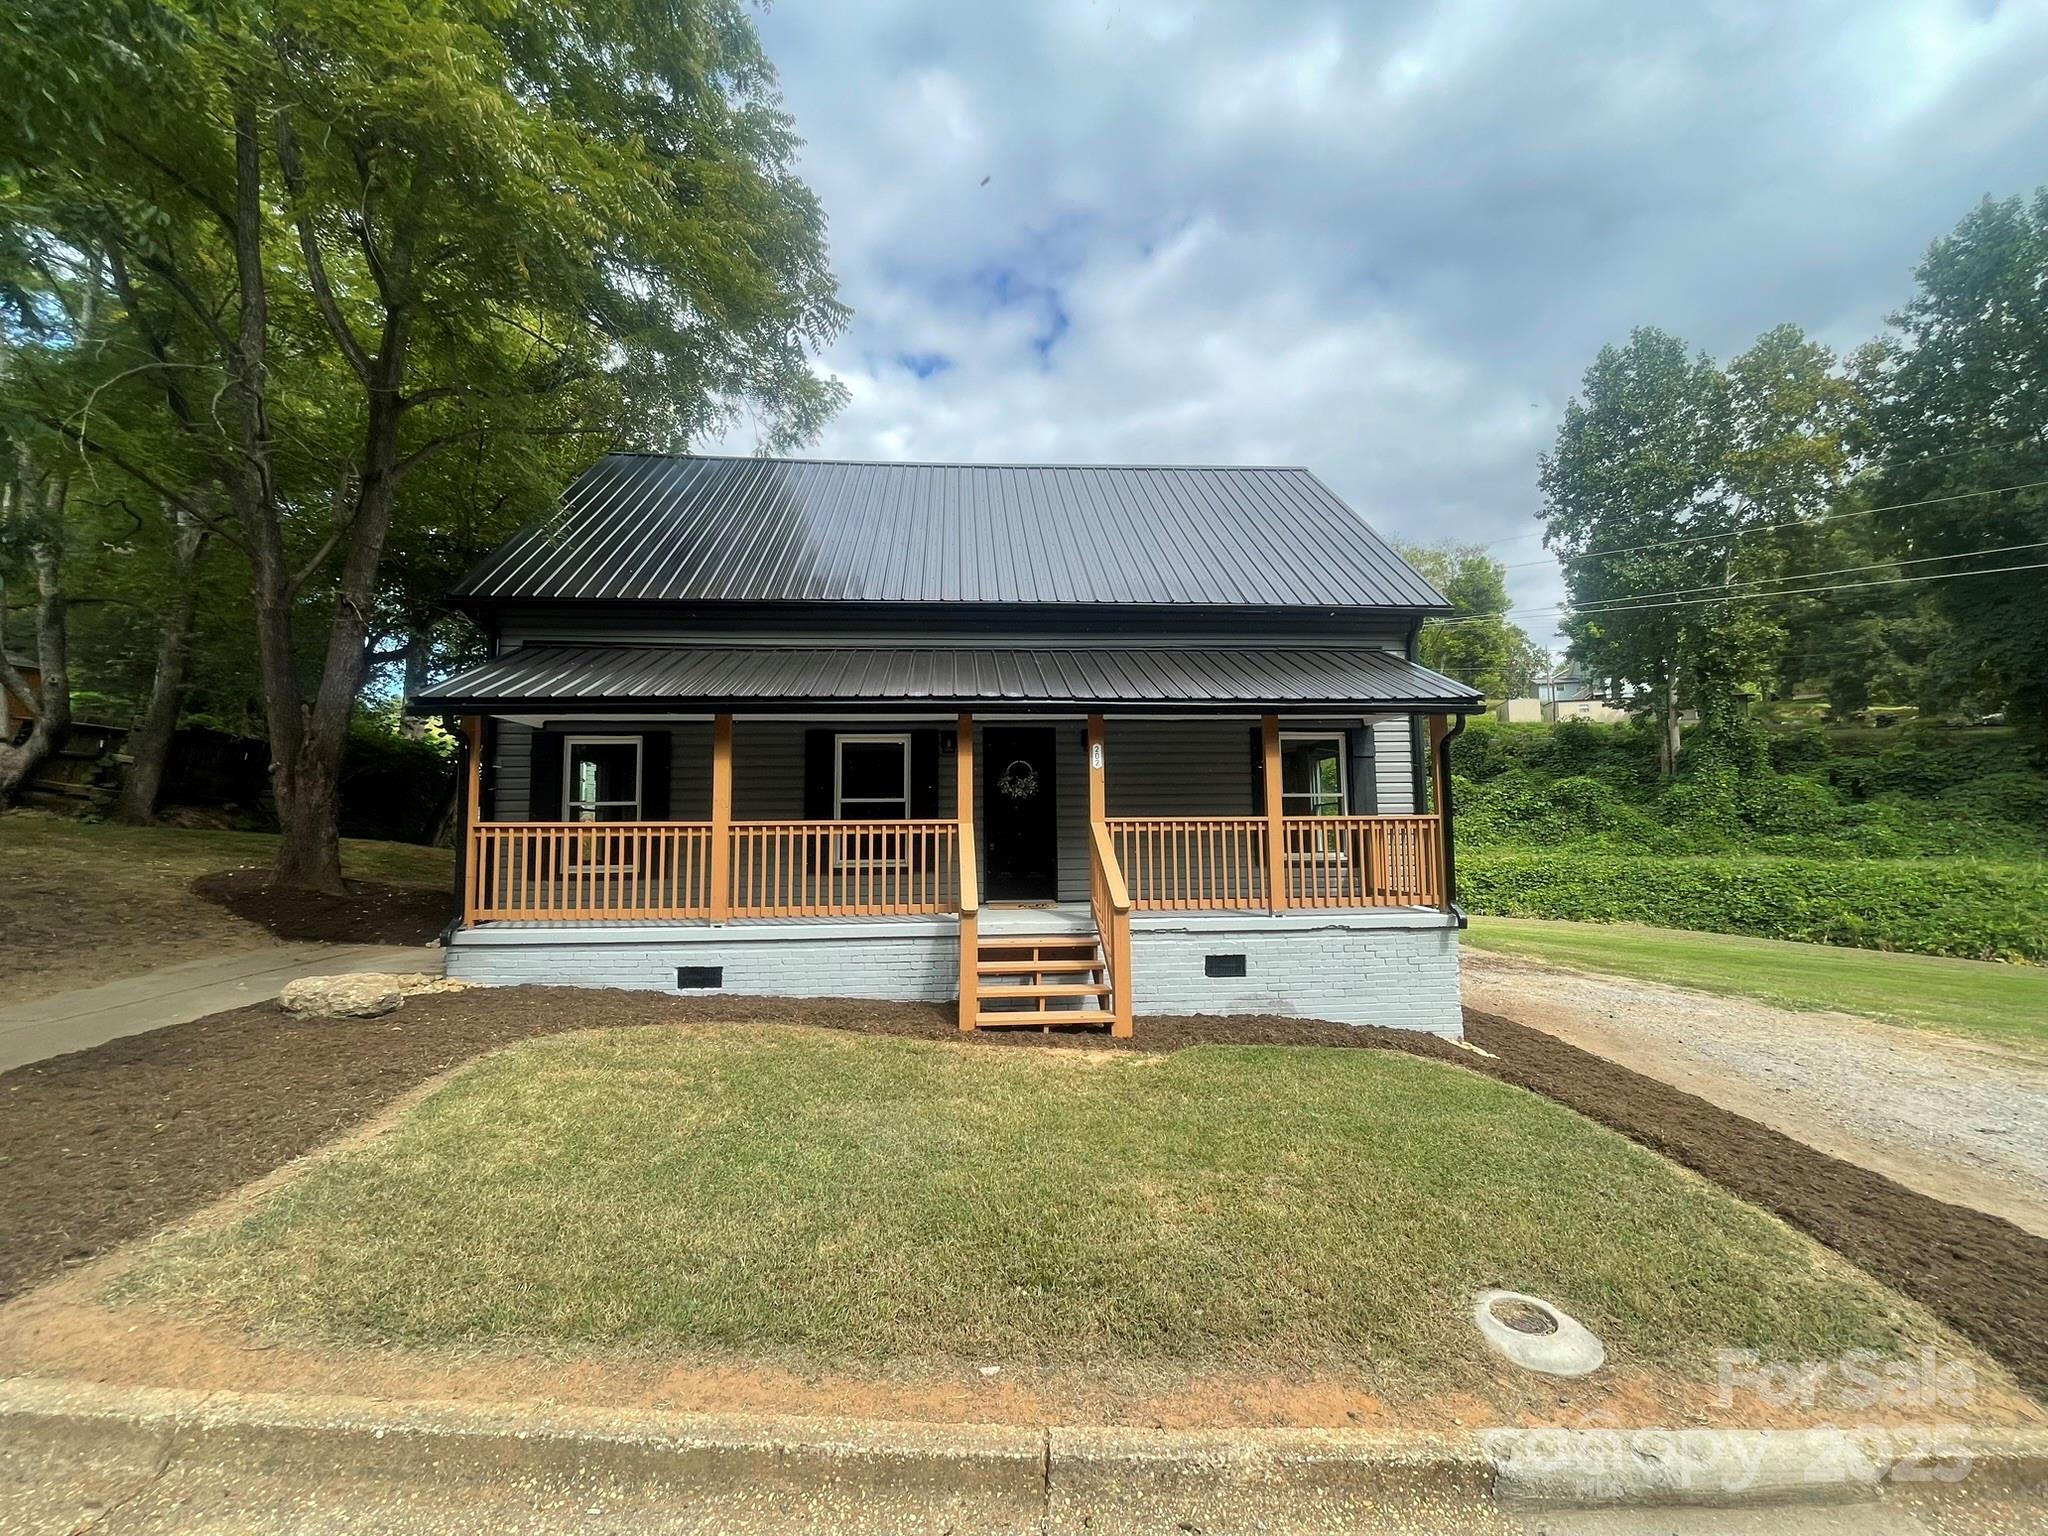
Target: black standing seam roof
(650, 528)
(597, 676)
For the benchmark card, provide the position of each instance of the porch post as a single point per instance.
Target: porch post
(721, 818)
(1098, 757)
(1440, 777)
(1276, 823)
(472, 812)
(970, 872)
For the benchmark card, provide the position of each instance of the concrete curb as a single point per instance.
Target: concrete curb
(821, 1474)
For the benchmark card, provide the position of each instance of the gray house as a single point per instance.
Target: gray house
(1070, 744)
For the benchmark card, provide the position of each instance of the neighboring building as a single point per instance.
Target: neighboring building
(1572, 695)
(1061, 742)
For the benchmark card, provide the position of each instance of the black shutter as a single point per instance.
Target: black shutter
(924, 774)
(1258, 770)
(1359, 773)
(544, 777)
(818, 765)
(654, 761)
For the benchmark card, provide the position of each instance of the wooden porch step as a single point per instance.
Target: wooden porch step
(1031, 992)
(1036, 967)
(1031, 1018)
(1065, 941)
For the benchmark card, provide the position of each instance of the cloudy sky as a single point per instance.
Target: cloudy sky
(1382, 240)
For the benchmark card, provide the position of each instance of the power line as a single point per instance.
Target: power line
(1851, 478)
(1738, 597)
(1797, 522)
(1840, 570)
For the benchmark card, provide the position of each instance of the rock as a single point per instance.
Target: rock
(430, 986)
(361, 996)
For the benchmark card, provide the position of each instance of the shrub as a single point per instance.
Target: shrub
(1804, 746)
(1975, 909)
(394, 787)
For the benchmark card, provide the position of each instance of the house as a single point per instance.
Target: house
(1065, 743)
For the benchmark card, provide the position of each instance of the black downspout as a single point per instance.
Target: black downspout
(1448, 811)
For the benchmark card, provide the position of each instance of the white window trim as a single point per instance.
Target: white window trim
(840, 741)
(569, 746)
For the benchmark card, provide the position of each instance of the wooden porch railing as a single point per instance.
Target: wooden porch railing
(1184, 863)
(1364, 861)
(1111, 901)
(1189, 863)
(844, 868)
(575, 871)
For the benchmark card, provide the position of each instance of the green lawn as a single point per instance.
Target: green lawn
(840, 1200)
(2006, 1004)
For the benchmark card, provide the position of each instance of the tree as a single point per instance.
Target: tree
(354, 236)
(1632, 506)
(1959, 421)
(1477, 645)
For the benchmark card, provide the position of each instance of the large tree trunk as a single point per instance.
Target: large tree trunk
(1667, 756)
(19, 765)
(149, 747)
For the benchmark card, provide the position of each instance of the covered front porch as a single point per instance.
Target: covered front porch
(1029, 846)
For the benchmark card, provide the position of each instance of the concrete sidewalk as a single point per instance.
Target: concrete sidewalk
(76, 1021)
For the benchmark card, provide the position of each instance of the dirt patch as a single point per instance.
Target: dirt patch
(1957, 1119)
(1983, 1276)
(371, 912)
(77, 917)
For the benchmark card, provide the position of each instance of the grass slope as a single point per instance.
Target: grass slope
(2005, 1004)
(88, 902)
(764, 1190)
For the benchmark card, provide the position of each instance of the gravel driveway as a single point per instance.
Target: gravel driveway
(1962, 1122)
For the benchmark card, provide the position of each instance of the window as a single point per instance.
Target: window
(601, 778)
(871, 778)
(1312, 775)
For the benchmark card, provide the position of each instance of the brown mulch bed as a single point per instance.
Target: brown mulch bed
(371, 913)
(102, 1146)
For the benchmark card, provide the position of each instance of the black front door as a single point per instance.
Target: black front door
(1021, 828)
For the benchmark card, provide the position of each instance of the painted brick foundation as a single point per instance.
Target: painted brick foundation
(908, 962)
(1396, 969)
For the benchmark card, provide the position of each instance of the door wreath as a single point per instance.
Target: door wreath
(1019, 781)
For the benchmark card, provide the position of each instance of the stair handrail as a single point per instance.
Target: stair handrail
(1113, 926)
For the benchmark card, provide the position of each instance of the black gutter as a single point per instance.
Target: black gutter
(1448, 811)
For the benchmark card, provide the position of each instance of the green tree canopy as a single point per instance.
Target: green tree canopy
(1478, 645)
(1959, 414)
(354, 241)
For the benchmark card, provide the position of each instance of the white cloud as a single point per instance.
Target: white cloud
(1381, 243)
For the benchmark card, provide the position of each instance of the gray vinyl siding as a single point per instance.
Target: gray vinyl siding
(511, 773)
(1179, 768)
(1396, 765)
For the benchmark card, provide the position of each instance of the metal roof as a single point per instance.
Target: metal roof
(604, 676)
(643, 527)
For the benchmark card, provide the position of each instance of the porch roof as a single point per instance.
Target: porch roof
(594, 677)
